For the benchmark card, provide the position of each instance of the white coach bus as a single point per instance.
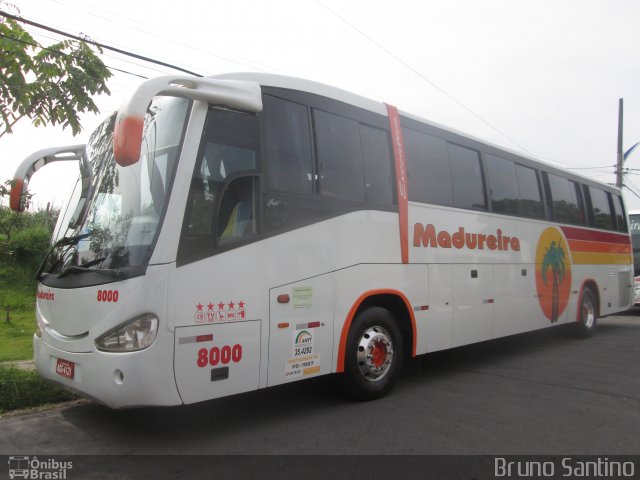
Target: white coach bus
(243, 231)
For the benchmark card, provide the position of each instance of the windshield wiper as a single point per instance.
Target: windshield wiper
(64, 241)
(70, 240)
(85, 269)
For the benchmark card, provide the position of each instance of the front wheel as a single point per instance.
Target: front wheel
(586, 325)
(373, 356)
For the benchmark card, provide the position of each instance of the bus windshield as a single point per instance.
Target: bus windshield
(126, 204)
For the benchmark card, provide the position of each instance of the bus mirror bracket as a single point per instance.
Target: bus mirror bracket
(129, 128)
(39, 159)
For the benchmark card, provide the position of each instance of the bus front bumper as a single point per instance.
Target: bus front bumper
(117, 380)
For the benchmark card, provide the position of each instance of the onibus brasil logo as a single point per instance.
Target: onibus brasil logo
(553, 273)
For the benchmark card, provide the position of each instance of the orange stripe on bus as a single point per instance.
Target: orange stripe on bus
(598, 247)
(352, 312)
(401, 180)
(580, 258)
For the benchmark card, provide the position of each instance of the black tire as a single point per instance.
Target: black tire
(373, 356)
(588, 310)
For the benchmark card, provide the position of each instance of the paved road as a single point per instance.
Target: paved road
(538, 393)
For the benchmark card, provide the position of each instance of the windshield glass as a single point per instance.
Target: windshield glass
(125, 204)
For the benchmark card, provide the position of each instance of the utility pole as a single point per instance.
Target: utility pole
(620, 155)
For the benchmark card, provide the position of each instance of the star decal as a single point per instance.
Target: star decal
(199, 307)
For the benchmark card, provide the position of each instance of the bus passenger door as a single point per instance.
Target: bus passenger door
(300, 330)
(472, 304)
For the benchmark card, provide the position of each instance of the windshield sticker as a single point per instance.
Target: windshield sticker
(213, 312)
(302, 297)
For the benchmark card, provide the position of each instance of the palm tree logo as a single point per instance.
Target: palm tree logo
(553, 273)
(554, 258)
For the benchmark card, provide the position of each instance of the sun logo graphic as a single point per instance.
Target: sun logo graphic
(553, 273)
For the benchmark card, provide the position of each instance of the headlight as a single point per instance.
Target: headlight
(136, 334)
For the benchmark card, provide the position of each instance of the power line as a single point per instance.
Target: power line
(589, 168)
(59, 52)
(97, 44)
(423, 77)
(153, 31)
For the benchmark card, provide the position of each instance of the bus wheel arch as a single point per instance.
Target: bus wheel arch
(380, 323)
(588, 309)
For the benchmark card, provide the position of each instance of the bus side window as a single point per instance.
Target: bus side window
(601, 211)
(503, 185)
(378, 179)
(339, 156)
(428, 170)
(564, 201)
(467, 178)
(288, 146)
(621, 221)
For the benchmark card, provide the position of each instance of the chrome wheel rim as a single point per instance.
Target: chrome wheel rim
(588, 313)
(375, 353)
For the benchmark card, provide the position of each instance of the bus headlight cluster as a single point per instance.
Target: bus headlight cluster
(136, 334)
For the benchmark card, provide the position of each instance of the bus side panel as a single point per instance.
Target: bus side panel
(472, 303)
(213, 361)
(301, 330)
(439, 330)
(516, 304)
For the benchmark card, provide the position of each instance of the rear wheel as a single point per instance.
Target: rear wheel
(588, 320)
(373, 356)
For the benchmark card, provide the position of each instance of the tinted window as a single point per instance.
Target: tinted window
(429, 175)
(288, 143)
(378, 180)
(621, 223)
(466, 176)
(217, 208)
(600, 208)
(339, 156)
(564, 203)
(504, 185)
(530, 202)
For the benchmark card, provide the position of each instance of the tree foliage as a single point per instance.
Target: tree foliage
(49, 85)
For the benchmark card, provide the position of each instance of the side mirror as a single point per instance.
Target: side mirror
(129, 127)
(39, 159)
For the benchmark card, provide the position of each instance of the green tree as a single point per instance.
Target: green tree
(49, 85)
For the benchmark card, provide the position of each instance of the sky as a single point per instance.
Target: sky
(541, 77)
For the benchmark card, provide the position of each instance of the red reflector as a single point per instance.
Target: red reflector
(284, 298)
(204, 338)
(313, 325)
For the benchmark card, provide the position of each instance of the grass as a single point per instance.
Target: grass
(23, 389)
(17, 293)
(16, 336)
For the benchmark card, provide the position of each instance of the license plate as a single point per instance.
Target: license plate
(65, 368)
